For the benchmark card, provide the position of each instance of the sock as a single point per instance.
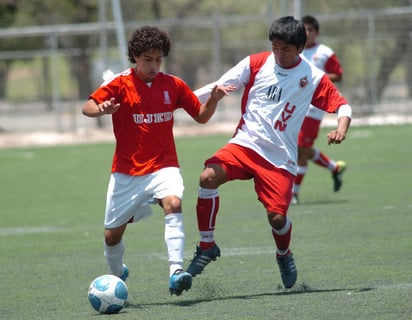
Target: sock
(323, 160)
(114, 258)
(175, 240)
(301, 171)
(206, 210)
(282, 238)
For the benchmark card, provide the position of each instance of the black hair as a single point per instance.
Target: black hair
(290, 30)
(148, 38)
(308, 19)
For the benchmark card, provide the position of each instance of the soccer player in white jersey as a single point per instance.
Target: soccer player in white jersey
(325, 59)
(278, 87)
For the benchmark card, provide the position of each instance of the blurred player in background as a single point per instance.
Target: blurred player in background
(325, 59)
(278, 87)
(145, 169)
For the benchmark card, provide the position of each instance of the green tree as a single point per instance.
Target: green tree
(48, 12)
(237, 39)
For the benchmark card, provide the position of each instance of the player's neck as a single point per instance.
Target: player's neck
(313, 44)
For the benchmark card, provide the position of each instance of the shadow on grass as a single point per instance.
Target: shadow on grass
(299, 289)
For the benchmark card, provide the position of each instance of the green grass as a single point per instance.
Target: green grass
(353, 249)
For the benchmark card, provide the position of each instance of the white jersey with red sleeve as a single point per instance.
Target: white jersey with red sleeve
(326, 60)
(274, 103)
(143, 125)
(323, 57)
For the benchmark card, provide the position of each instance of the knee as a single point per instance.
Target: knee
(277, 221)
(206, 180)
(171, 204)
(211, 177)
(112, 237)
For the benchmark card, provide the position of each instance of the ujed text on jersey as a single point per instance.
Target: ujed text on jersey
(152, 117)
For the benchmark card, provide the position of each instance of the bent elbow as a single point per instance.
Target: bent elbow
(202, 121)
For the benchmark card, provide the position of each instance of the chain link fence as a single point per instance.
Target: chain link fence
(43, 90)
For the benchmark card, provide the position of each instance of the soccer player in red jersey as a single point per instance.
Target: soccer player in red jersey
(278, 87)
(325, 59)
(145, 169)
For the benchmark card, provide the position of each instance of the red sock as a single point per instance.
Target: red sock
(206, 210)
(299, 178)
(282, 238)
(321, 159)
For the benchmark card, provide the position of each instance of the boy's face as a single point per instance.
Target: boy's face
(148, 64)
(286, 55)
(311, 35)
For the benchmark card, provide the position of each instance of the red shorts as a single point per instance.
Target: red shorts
(272, 185)
(308, 132)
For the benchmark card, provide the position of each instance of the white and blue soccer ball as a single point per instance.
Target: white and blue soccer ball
(107, 294)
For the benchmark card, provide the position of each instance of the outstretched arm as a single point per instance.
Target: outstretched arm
(92, 109)
(208, 109)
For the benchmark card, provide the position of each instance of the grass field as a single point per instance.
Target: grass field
(353, 249)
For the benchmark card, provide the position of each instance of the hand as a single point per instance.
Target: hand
(335, 137)
(108, 106)
(219, 92)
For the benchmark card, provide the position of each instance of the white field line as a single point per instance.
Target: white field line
(28, 230)
(228, 252)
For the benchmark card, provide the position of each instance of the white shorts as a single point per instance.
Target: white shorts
(129, 197)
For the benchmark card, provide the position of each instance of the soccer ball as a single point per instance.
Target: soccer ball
(107, 294)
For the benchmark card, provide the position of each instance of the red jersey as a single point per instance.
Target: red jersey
(143, 125)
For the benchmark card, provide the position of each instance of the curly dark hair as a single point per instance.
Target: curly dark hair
(148, 38)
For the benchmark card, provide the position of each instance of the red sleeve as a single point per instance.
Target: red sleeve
(327, 97)
(333, 65)
(106, 91)
(187, 99)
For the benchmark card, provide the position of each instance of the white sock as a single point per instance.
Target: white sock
(302, 169)
(175, 240)
(204, 193)
(332, 166)
(114, 258)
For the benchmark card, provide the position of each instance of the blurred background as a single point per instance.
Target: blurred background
(53, 53)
